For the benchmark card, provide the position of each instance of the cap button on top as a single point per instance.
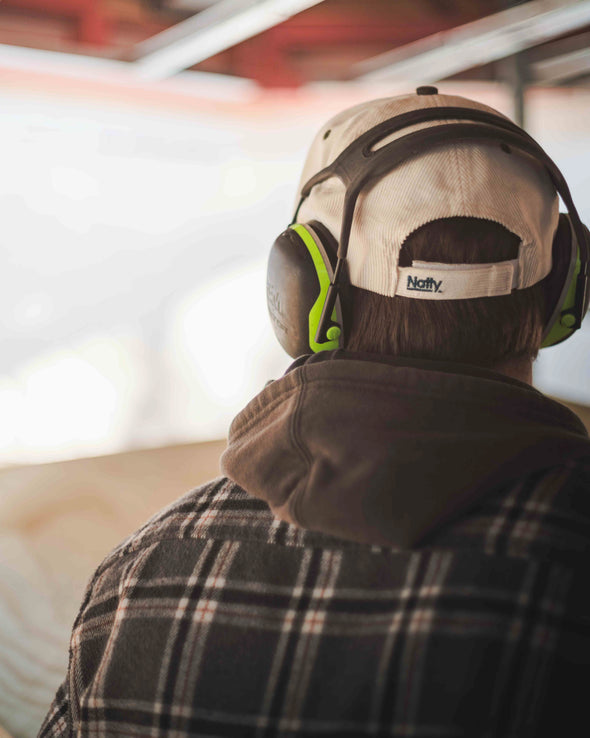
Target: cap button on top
(426, 90)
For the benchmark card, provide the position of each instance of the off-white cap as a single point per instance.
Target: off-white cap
(459, 179)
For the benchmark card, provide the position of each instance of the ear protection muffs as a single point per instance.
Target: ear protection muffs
(300, 271)
(562, 284)
(306, 278)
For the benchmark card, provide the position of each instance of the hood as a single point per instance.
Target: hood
(383, 451)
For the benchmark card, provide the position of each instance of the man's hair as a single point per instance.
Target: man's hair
(483, 331)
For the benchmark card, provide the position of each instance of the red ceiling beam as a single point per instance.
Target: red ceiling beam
(263, 58)
(270, 58)
(361, 29)
(89, 15)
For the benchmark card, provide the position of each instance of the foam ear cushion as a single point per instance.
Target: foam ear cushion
(561, 259)
(329, 248)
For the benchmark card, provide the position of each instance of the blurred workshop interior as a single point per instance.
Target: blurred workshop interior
(151, 150)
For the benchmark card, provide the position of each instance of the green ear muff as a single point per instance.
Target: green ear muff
(324, 274)
(300, 269)
(563, 285)
(565, 320)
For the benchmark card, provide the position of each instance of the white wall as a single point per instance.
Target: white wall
(133, 260)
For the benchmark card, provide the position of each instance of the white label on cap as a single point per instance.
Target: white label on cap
(434, 281)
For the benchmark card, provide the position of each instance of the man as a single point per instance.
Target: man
(400, 545)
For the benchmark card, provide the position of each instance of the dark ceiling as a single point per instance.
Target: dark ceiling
(324, 42)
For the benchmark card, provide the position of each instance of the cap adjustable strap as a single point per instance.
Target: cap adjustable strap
(433, 281)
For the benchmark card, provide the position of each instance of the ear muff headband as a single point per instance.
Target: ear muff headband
(360, 164)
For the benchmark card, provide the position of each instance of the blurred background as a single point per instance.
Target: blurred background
(151, 150)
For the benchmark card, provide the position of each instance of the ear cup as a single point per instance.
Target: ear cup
(561, 285)
(300, 269)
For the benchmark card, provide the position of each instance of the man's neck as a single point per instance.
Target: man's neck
(521, 369)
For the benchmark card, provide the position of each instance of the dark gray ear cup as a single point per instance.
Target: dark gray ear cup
(292, 287)
(562, 264)
(300, 267)
(561, 284)
(587, 298)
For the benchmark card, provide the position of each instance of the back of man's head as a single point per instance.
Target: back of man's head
(428, 226)
(484, 331)
(458, 203)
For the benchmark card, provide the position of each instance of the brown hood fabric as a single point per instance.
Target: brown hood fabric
(383, 451)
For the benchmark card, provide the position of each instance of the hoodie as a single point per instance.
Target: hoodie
(385, 451)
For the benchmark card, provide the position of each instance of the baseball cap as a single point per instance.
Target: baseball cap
(465, 179)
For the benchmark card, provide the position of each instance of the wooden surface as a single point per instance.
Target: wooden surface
(57, 522)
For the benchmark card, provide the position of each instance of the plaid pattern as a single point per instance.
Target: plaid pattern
(215, 619)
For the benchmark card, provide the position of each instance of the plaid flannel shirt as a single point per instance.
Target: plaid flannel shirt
(215, 619)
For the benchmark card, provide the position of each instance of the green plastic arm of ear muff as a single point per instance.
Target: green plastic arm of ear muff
(315, 313)
(563, 327)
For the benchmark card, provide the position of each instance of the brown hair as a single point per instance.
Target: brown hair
(484, 331)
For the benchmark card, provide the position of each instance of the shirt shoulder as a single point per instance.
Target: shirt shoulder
(545, 514)
(542, 516)
(217, 510)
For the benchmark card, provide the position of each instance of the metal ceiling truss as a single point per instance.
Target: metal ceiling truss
(562, 68)
(486, 40)
(215, 29)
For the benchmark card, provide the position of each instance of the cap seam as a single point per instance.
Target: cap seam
(455, 157)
